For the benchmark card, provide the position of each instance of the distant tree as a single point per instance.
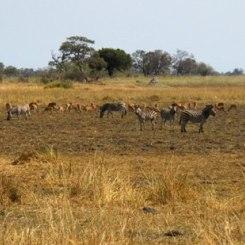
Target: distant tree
(187, 66)
(237, 72)
(97, 64)
(184, 63)
(204, 69)
(157, 63)
(1, 68)
(138, 61)
(116, 59)
(76, 50)
(11, 71)
(26, 72)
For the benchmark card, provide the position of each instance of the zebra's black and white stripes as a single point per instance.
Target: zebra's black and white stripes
(168, 114)
(18, 110)
(147, 115)
(196, 117)
(110, 107)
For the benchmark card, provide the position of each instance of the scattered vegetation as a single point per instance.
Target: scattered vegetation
(79, 61)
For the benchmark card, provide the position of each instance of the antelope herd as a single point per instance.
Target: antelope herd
(186, 112)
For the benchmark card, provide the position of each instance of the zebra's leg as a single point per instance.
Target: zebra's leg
(183, 124)
(201, 128)
(161, 124)
(141, 125)
(124, 113)
(152, 124)
(172, 121)
(18, 115)
(109, 113)
(9, 116)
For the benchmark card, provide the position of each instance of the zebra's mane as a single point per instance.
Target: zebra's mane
(206, 110)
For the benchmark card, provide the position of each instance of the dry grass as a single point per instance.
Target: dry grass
(64, 179)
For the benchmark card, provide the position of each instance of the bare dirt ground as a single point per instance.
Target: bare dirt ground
(85, 132)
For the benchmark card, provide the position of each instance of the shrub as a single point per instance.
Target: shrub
(23, 79)
(60, 84)
(45, 80)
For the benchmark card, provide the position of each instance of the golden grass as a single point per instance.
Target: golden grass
(51, 196)
(215, 89)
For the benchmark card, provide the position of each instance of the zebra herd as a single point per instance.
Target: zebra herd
(166, 114)
(143, 113)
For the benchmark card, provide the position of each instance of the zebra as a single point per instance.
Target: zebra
(168, 114)
(115, 106)
(148, 115)
(18, 110)
(196, 117)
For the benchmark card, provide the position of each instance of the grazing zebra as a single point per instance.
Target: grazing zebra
(168, 114)
(18, 110)
(143, 116)
(110, 107)
(196, 117)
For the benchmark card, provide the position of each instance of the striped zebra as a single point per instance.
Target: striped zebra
(168, 114)
(18, 111)
(115, 106)
(196, 117)
(148, 115)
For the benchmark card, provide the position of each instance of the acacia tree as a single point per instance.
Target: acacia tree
(116, 59)
(76, 50)
(155, 62)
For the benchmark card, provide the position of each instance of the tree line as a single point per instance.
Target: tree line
(77, 59)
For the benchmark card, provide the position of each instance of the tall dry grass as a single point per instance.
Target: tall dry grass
(100, 199)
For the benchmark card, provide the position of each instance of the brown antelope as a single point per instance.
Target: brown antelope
(179, 106)
(232, 106)
(91, 107)
(94, 107)
(220, 106)
(73, 106)
(8, 106)
(192, 105)
(33, 106)
(51, 106)
(131, 107)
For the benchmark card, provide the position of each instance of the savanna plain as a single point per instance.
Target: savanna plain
(75, 178)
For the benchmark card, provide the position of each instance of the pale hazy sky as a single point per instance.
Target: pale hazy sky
(213, 30)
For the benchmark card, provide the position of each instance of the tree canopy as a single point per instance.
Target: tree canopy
(116, 59)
